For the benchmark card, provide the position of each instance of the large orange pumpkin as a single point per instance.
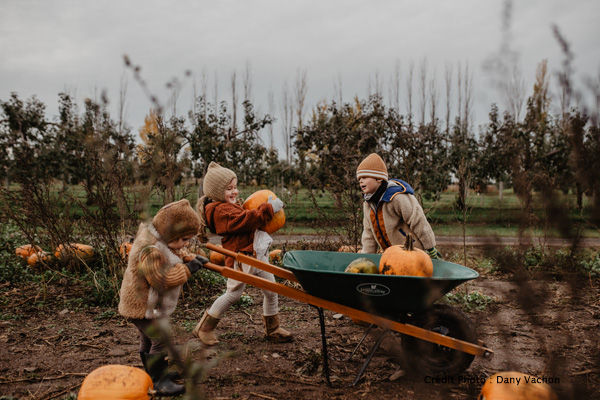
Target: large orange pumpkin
(260, 197)
(27, 250)
(513, 385)
(405, 260)
(117, 382)
(78, 250)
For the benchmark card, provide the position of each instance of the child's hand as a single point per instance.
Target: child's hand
(276, 203)
(195, 264)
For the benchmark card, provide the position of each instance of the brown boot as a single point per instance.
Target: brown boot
(273, 331)
(205, 330)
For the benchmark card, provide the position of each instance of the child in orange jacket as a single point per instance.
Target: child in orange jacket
(220, 211)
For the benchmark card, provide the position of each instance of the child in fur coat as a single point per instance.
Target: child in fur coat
(220, 210)
(152, 283)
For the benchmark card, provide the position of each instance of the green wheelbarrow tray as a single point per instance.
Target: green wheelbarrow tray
(321, 273)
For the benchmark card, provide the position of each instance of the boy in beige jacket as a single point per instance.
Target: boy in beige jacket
(391, 210)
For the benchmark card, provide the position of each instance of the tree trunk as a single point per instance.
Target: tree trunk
(500, 190)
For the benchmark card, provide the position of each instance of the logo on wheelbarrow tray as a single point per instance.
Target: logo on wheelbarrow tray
(373, 289)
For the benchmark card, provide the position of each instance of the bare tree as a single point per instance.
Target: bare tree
(468, 97)
(409, 90)
(271, 112)
(121, 106)
(204, 90)
(216, 93)
(423, 89)
(248, 82)
(234, 101)
(301, 88)
(459, 85)
(448, 82)
(375, 87)
(337, 89)
(433, 97)
(395, 88)
(515, 92)
(287, 121)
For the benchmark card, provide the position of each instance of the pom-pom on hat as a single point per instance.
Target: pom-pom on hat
(373, 167)
(216, 180)
(175, 220)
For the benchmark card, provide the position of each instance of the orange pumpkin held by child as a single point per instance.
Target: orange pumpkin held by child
(260, 197)
(513, 385)
(405, 260)
(117, 382)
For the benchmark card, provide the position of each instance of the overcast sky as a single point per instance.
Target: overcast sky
(50, 46)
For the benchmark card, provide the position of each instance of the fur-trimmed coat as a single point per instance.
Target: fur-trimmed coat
(153, 279)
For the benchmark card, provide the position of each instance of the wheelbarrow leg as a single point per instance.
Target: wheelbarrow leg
(324, 342)
(361, 340)
(369, 357)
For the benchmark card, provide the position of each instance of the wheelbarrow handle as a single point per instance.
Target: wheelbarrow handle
(244, 259)
(304, 297)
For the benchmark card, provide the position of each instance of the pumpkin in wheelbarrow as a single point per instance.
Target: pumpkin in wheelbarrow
(405, 260)
(116, 382)
(512, 385)
(362, 266)
(260, 197)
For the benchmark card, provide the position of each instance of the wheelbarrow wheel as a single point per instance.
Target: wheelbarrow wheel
(432, 359)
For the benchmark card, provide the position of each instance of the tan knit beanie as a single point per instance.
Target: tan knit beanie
(373, 167)
(176, 220)
(216, 180)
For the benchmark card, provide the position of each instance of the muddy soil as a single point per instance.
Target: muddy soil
(541, 324)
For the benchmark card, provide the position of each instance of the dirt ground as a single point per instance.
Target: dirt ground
(545, 325)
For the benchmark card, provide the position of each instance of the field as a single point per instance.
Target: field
(542, 323)
(536, 307)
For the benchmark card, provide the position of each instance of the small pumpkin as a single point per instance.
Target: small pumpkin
(77, 250)
(275, 255)
(349, 249)
(362, 266)
(124, 249)
(36, 257)
(118, 382)
(27, 250)
(217, 258)
(512, 385)
(405, 260)
(260, 197)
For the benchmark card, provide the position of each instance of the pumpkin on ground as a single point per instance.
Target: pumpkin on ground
(362, 266)
(117, 382)
(124, 249)
(77, 250)
(405, 260)
(38, 256)
(512, 385)
(260, 197)
(27, 250)
(275, 255)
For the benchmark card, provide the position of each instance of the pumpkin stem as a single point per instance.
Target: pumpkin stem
(408, 244)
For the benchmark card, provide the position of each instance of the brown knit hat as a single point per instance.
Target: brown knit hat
(176, 220)
(373, 167)
(216, 180)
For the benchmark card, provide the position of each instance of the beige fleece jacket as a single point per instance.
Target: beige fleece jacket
(397, 218)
